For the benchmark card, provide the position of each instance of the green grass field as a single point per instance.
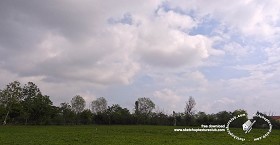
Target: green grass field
(123, 135)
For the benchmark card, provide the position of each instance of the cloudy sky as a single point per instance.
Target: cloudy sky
(226, 54)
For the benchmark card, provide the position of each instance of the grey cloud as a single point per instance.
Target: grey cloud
(25, 26)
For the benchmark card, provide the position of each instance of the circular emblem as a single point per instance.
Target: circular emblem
(247, 127)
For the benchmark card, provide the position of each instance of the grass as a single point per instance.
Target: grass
(124, 135)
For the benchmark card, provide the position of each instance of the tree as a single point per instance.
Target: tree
(30, 90)
(145, 106)
(99, 105)
(174, 116)
(118, 115)
(143, 110)
(190, 104)
(238, 122)
(86, 116)
(10, 97)
(30, 93)
(260, 123)
(223, 117)
(67, 113)
(201, 118)
(78, 104)
(160, 118)
(189, 110)
(40, 109)
(136, 107)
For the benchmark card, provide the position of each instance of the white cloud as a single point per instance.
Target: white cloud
(170, 48)
(168, 96)
(236, 50)
(70, 48)
(175, 20)
(252, 18)
(273, 54)
(162, 42)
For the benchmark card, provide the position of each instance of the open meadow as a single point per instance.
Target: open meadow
(123, 135)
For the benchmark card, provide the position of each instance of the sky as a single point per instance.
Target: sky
(225, 54)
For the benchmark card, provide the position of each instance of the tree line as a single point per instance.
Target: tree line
(27, 105)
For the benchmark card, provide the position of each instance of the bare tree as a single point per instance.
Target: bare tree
(145, 105)
(78, 104)
(190, 104)
(99, 105)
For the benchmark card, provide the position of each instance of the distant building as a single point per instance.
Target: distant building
(277, 118)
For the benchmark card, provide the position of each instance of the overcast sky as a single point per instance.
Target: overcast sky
(226, 54)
